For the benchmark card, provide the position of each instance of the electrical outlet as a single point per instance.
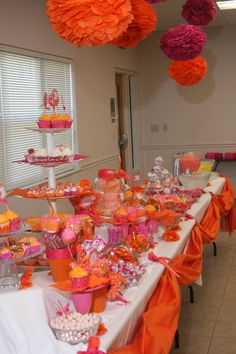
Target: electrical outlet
(154, 128)
(165, 127)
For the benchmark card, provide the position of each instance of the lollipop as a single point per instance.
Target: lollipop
(68, 235)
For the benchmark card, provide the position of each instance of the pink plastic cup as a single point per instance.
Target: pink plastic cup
(82, 301)
(58, 124)
(44, 124)
(80, 283)
(68, 123)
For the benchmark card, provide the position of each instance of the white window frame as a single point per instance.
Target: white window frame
(73, 167)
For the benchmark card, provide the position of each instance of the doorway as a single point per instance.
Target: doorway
(127, 127)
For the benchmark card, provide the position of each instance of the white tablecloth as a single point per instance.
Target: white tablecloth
(24, 314)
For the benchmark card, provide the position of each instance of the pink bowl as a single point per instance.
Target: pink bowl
(68, 123)
(58, 124)
(80, 283)
(44, 124)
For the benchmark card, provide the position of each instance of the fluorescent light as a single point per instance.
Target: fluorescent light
(226, 5)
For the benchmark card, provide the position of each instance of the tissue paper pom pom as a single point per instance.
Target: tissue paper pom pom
(199, 12)
(89, 22)
(188, 72)
(144, 22)
(155, 1)
(183, 42)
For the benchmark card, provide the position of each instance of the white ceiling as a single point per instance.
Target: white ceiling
(169, 15)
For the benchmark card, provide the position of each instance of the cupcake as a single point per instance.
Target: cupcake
(25, 243)
(5, 253)
(121, 215)
(53, 224)
(14, 220)
(132, 213)
(58, 124)
(79, 277)
(128, 195)
(150, 210)
(74, 191)
(4, 224)
(30, 156)
(17, 251)
(44, 124)
(44, 121)
(67, 191)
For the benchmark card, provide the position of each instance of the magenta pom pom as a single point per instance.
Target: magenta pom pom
(199, 12)
(183, 42)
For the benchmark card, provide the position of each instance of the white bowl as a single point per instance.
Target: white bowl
(196, 180)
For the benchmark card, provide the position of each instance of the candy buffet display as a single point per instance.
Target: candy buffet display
(99, 252)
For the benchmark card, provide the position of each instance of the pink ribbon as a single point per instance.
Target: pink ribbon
(63, 310)
(122, 300)
(163, 261)
(189, 217)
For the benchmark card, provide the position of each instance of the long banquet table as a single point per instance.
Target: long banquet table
(24, 314)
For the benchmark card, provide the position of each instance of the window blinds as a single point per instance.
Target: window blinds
(23, 81)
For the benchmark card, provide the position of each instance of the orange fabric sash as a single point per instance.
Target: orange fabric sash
(210, 224)
(159, 322)
(227, 207)
(188, 265)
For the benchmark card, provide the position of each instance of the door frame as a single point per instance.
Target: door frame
(131, 118)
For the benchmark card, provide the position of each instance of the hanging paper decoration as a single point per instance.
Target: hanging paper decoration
(155, 1)
(188, 72)
(199, 12)
(89, 22)
(183, 42)
(144, 22)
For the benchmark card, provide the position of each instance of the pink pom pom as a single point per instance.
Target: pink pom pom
(183, 42)
(199, 12)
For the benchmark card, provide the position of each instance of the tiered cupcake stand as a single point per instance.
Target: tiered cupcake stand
(51, 165)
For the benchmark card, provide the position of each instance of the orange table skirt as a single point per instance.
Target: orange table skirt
(160, 320)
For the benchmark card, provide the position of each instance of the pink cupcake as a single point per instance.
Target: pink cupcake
(15, 224)
(58, 124)
(44, 124)
(74, 191)
(67, 191)
(121, 215)
(5, 253)
(68, 123)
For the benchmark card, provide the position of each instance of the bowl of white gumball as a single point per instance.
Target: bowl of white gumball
(74, 327)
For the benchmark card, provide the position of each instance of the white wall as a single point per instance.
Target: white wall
(200, 118)
(23, 24)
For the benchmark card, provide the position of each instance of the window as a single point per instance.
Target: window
(23, 80)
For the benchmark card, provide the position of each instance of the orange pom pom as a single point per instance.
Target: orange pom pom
(89, 22)
(144, 22)
(188, 72)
